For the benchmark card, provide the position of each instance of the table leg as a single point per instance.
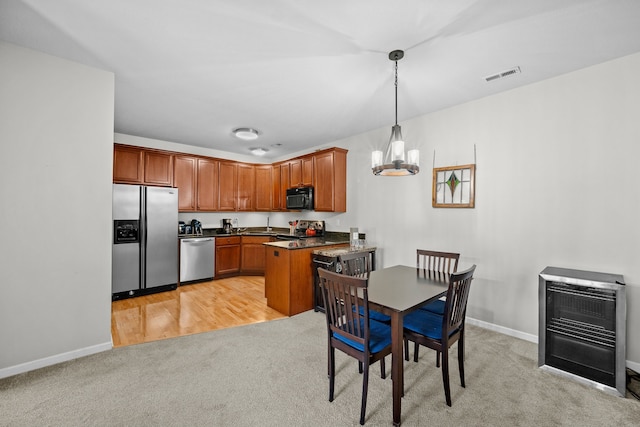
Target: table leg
(397, 367)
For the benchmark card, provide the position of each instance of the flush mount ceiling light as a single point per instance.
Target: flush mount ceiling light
(394, 160)
(247, 134)
(258, 151)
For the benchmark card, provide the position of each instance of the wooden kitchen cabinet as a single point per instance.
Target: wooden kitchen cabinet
(264, 189)
(228, 186)
(158, 168)
(289, 278)
(227, 256)
(208, 182)
(253, 255)
(184, 179)
(284, 184)
(276, 189)
(246, 191)
(128, 166)
(330, 180)
(136, 165)
(307, 171)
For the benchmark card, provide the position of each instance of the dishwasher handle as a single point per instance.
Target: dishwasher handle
(197, 240)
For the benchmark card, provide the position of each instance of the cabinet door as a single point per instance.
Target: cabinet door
(330, 181)
(276, 188)
(227, 256)
(264, 188)
(295, 173)
(246, 187)
(253, 259)
(127, 165)
(307, 171)
(228, 186)
(158, 168)
(184, 179)
(284, 184)
(207, 194)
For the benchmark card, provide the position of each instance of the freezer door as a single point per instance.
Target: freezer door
(161, 236)
(125, 264)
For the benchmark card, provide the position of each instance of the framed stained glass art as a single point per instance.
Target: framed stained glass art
(454, 187)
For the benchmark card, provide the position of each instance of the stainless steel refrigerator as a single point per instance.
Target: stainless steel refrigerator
(145, 240)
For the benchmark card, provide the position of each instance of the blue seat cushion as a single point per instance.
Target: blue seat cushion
(379, 337)
(436, 307)
(376, 315)
(425, 323)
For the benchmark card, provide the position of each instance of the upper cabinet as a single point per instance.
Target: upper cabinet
(128, 165)
(330, 180)
(208, 171)
(184, 178)
(264, 189)
(207, 184)
(135, 165)
(228, 186)
(246, 192)
(158, 168)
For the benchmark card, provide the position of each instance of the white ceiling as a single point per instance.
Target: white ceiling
(306, 72)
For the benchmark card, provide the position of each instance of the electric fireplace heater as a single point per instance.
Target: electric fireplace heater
(583, 326)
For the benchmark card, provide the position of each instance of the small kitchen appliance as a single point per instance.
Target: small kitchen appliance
(227, 226)
(304, 229)
(196, 226)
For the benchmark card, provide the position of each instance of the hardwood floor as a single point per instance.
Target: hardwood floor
(191, 309)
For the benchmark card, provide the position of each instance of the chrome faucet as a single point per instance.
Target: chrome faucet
(268, 228)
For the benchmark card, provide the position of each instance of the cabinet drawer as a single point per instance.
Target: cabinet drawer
(230, 240)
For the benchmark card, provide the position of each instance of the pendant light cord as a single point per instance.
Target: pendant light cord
(396, 82)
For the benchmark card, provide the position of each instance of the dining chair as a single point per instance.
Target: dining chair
(349, 331)
(441, 332)
(439, 265)
(360, 264)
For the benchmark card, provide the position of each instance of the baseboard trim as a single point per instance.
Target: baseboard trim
(52, 360)
(503, 330)
(527, 337)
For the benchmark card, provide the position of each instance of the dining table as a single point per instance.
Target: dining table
(397, 291)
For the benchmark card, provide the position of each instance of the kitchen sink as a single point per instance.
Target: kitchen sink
(258, 233)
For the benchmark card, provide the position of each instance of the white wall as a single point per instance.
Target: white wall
(56, 131)
(555, 186)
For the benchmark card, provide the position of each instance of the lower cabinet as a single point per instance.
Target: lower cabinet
(253, 255)
(227, 256)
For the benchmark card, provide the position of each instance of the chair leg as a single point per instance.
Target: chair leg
(445, 375)
(437, 359)
(383, 372)
(406, 349)
(332, 372)
(415, 351)
(365, 386)
(359, 367)
(461, 358)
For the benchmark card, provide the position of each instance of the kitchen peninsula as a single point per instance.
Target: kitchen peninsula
(288, 277)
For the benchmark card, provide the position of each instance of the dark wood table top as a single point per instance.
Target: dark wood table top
(401, 288)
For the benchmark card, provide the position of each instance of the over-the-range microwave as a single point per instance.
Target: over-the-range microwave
(300, 198)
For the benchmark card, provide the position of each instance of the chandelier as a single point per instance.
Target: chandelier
(394, 159)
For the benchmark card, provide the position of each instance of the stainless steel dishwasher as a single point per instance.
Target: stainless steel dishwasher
(196, 259)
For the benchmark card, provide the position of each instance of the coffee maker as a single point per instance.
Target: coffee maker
(227, 227)
(196, 226)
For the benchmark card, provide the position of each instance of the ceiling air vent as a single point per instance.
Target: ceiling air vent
(506, 73)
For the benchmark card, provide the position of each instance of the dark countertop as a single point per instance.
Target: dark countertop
(336, 252)
(311, 242)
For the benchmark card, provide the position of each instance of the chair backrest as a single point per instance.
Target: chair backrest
(357, 264)
(457, 295)
(346, 305)
(437, 264)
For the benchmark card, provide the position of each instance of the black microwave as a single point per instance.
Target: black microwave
(300, 198)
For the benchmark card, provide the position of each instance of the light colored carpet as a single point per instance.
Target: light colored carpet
(274, 374)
